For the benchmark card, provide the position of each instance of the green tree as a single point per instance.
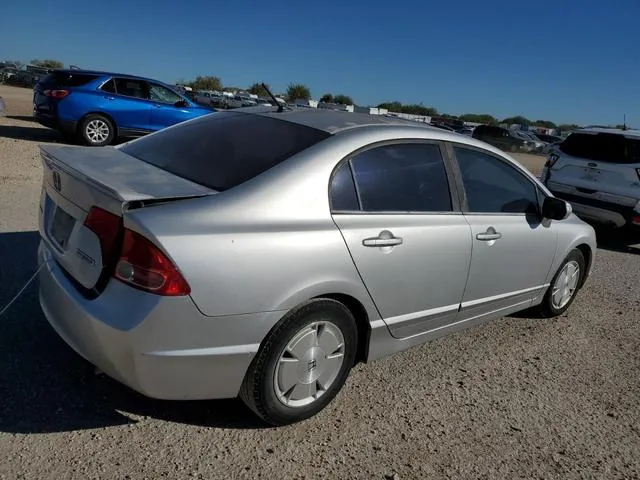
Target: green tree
(298, 91)
(479, 118)
(258, 89)
(206, 82)
(343, 100)
(326, 98)
(567, 127)
(544, 124)
(518, 119)
(47, 63)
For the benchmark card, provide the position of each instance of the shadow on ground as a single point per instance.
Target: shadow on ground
(23, 118)
(32, 132)
(46, 387)
(624, 240)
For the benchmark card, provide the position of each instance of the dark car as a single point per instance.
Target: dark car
(501, 138)
(99, 107)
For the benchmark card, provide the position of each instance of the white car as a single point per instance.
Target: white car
(538, 144)
(597, 170)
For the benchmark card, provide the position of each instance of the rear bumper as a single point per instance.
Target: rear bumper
(161, 347)
(51, 121)
(617, 213)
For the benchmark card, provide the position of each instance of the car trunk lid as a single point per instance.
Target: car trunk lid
(86, 192)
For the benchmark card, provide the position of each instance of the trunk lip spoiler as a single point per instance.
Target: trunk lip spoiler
(127, 196)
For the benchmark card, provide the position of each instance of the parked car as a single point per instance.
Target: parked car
(548, 138)
(597, 170)
(99, 107)
(465, 131)
(194, 264)
(502, 138)
(538, 144)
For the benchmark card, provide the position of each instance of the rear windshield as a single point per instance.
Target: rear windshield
(224, 149)
(67, 79)
(602, 147)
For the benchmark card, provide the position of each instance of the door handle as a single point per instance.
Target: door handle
(385, 239)
(489, 235)
(109, 97)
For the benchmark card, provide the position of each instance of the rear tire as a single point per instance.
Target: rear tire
(97, 130)
(564, 286)
(303, 363)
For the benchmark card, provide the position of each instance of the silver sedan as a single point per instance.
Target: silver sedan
(262, 253)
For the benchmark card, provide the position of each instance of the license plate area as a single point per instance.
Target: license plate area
(61, 227)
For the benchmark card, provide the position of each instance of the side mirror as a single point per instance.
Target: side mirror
(181, 104)
(556, 209)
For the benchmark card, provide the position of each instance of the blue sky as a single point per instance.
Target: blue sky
(564, 60)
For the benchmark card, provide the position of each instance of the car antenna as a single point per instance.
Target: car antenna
(280, 107)
(624, 122)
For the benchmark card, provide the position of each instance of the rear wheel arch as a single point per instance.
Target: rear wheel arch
(361, 317)
(355, 307)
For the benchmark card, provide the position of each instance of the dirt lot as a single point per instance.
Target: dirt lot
(516, 398)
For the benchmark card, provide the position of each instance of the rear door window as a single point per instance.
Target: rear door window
(402, 178)
(132, 88)
(602, 147)
(224, 149)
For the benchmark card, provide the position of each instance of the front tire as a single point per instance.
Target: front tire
(564, 285)
(97, 130)
(303, 363)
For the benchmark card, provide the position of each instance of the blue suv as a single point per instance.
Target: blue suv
(99, 107)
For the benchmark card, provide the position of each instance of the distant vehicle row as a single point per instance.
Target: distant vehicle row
(514, 140)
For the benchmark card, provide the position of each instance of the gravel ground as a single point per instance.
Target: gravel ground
(515, 398)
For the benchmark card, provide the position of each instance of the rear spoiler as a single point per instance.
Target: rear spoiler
(119, 175)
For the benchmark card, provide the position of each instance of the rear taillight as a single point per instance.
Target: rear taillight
(142, 265)
(57, 93)
(552, 158)
(106, 226)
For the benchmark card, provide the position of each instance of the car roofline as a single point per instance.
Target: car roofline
(106, 74)
(631, 133)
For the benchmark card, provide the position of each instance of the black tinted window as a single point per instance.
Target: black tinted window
(67, 79)
(132, 88)
(602, 147)
(343, 190)
(402, 178)
(493, 186)
(109, 87)
(224, 149)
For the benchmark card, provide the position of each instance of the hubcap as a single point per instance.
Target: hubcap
(565, 285)
(97, 131)
(309, 364)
